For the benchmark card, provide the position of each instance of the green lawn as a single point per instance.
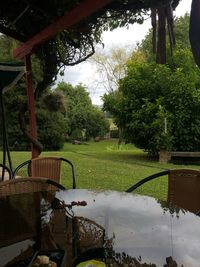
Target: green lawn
(104, 165)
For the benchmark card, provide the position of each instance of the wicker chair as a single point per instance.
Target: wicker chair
(48, 167)
(183, 188)
(28, 185)
(25, 211)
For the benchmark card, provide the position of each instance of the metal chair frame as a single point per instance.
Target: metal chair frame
(147, 179)
(5, 168)
(28, 162)
(183, 188)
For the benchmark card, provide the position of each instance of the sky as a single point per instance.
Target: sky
(85, 72)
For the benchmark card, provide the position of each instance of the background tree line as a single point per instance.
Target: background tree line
(63, 113)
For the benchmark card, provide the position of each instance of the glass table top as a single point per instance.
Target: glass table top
(132, 230)
(141, 227)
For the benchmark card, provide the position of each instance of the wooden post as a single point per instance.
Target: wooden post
(31, 104)
(161, 46)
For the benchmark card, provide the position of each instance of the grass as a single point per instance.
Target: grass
(105, 165)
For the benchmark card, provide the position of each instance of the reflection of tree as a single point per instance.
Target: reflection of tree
(172, 209)
(122, 259)
(171, 263)
(92, 244)
(89, 234)
(125, 260)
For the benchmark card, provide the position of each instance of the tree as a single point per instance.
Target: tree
(52, 134)
(111, 66)
(150, 94)
(158, 105)
(96, 124)
(81, 116)
(77, 105)
(50, 119)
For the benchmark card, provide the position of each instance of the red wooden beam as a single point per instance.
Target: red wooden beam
(31, 104)
(72, 17)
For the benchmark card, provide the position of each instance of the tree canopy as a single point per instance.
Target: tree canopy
(82, 118)
(110, 66)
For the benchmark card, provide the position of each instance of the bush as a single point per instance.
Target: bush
(151, 94)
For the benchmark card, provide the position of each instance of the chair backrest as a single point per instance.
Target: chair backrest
(183, 188)
(5, 172)
(48, 167)
(28, 185)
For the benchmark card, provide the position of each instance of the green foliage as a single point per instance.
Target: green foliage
(77, 103)
(15, 105)
(52, 133)
(181, 31)
(54, 101)
(184, 103)
(50, 123)
(151, 94)
(146, 128)
(96, 124)
(7, 45)
(113, 103)
(82, 118)
(77, 134)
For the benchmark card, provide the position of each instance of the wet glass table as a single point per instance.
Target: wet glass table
(120, 228)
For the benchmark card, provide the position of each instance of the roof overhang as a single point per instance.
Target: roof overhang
(72, 17)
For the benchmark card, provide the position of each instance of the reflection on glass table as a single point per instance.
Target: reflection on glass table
(116, 228)
(139, 229)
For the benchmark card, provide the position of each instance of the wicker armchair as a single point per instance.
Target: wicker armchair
(48, 167)
(28, 185)
(183, 187)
